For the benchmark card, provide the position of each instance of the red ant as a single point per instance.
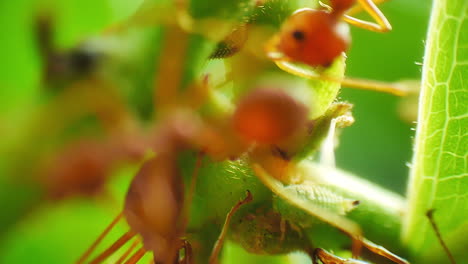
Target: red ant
(155, 207)
(318, 37)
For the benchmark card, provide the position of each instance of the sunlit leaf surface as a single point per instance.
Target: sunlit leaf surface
(439, 177)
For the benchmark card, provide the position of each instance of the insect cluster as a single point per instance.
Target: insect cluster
(242, 141)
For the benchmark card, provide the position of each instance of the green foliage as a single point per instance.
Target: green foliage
(28, 216)
(439, 178)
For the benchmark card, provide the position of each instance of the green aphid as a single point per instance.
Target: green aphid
(316, 194)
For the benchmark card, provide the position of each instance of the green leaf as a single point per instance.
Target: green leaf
(439, 178)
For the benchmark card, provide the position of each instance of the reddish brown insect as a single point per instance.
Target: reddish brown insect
(155, 205)
(313, 37)
(82, 167)
(268, 116)
(318, 37)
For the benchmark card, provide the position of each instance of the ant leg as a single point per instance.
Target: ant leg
(358, 8)
(430, 216)
(379, 250)
(191, 192)
(136, 256)
(328, 258)
(392, 88)
(127, 252)
(188, 258)
(99, 239)
(113, 248)
(370, 7)
(195, 173)
(219, 242)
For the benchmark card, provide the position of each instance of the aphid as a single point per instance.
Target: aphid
(343, 224)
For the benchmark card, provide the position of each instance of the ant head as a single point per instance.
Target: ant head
(268, 116)
(313, 37)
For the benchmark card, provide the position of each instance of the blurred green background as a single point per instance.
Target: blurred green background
(376, 147)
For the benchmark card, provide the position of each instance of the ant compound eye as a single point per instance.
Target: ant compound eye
(298, 35)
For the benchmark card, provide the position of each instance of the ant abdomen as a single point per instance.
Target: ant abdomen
(269, 116)
(153, 207)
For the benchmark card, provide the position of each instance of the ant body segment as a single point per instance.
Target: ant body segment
(317, 37)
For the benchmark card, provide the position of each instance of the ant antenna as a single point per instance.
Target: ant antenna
(136, 256)
(371, 8)
(113, 248)
(195, 173)
(128, 251)
(219, 242)
(363, 84)
(193, 184)
(99, 239)
(430, 216)
(381, 251)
